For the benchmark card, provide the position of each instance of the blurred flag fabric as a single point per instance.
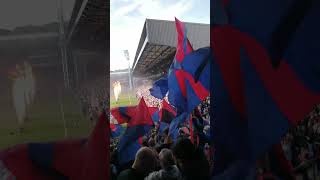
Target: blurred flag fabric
(167, 112)
(116, 130)
(183, 48)
(156, 116)
(187, 74)
(264, 76)
(195, 77)
(139, 124)
(162, 127)
(152, 110)
(68, 159)
(174, 125)
(122, 114)
(159, 88)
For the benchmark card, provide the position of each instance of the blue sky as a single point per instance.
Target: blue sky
(128, 17)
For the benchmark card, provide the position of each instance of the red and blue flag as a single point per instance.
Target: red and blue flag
(68, 159)
(159, 88)
(116, 129)
(188, 77)
(156, 117)
(167, 112)
(264, 75)
(175, 125)
(139, 124)
(122, 114)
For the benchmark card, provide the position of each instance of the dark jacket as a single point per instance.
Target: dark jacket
(131, 174)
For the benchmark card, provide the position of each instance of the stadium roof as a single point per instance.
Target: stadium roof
(28, 42)
(86, 32)
(120, 71)
(157, 45)
(89, 22)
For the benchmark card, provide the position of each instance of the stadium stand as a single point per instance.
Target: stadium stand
(156, 48)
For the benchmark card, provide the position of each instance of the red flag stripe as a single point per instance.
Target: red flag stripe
(198, 88)
(180, 52)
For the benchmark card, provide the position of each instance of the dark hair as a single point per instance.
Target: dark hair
(184, 149)
(166, 131)
(145, 141)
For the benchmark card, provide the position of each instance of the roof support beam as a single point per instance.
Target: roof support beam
(74, 25)
(28, 36)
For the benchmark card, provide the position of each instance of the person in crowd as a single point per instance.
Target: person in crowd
(151, 143)
(169, 171)
(145, 141)
(113, 160)
(191, 161)
(167, 143)
(145, 163)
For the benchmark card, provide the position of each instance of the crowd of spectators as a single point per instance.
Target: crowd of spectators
(302, 146)
(162, 157)
(143, 91)
(205, 108)
(93, 98)
(163, 161)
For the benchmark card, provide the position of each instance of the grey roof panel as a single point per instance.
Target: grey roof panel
(163, 33)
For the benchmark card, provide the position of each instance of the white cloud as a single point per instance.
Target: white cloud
(127, 22)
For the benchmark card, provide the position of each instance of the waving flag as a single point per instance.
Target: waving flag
(163, 126)
(174, 125)
(167, 112)
(265, 76)
(116, 130)
(156, 116)
(123, 114)
(195, 77)
(153, 111)
(69, 159)
(140, 124)
(187, 74)
(175, 95)
(159, 88)
(160, 125)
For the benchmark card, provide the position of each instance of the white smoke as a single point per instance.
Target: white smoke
(19, 99)
(116, 90)
(29, 84)
(23, 91)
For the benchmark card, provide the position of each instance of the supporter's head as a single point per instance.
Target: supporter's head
(168, 140)
(166, 131)
(206, 129)
(190, 160)
(145, 161)
(184, 152)
(151, 142)
(166, 158)
(144, 141)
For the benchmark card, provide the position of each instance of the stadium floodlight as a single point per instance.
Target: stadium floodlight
(126, 54)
